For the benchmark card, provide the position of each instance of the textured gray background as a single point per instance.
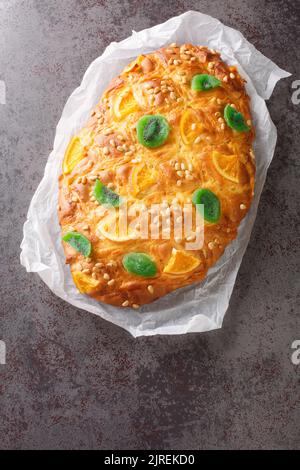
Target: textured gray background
(73, 380)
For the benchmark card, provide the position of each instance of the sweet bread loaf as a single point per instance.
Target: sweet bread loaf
(171, 136)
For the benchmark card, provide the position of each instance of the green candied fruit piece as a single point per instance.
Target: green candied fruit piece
(140, 264)
(211, 202)
(204, 82)
(152, 130)
(79, 242)
(105, 195)
(235, 119)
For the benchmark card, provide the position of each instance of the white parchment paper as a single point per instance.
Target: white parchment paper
(196, 308)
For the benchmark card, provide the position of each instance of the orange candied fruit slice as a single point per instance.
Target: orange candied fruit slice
(181, 262)
(142, 178)
(85, 283)
(73, 155)
(109, 229)
(190, 126)
(124, 104)
(135, 64)
(227, 166)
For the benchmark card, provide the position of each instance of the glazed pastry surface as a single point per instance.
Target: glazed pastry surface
(201, 157)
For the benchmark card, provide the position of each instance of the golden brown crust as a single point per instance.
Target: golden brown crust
(158, 83)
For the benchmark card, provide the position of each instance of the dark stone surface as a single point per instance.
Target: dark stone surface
(73, 380)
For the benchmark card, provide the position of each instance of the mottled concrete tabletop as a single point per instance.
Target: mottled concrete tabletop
(73, 380)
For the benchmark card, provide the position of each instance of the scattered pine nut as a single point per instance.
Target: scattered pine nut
(150, 289)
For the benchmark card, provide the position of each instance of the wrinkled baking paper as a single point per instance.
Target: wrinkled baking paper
(196, 308)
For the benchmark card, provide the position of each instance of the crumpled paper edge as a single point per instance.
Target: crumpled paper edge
(205, 305)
